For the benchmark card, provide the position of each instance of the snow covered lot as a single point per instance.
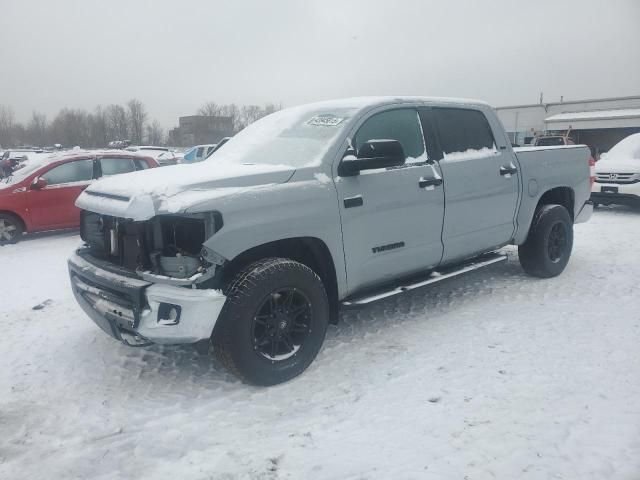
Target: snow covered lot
(490, 375)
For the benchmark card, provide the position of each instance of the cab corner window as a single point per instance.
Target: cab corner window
(402, 125)
(70, 172)
(462, 130)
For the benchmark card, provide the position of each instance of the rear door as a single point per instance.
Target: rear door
(482, 186)
(54, 205)
(391, 218)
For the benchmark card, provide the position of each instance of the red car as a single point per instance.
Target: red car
(42, 194)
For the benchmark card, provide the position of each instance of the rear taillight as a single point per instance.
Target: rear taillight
(592, 171)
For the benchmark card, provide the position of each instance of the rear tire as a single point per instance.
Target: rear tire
(273, 322)
(11, 229)
(546, 252)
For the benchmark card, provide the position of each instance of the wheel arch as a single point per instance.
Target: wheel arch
(564, 196)
(310, 251)
(17, 217)
(560, 195)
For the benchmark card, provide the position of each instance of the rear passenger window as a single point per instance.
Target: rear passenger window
(461, 130)
(401, 125)
(140, 164)
(114, 166)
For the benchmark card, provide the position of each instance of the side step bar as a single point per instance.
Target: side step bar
(475, 264)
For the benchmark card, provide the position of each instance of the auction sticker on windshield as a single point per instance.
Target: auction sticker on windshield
(325, 121)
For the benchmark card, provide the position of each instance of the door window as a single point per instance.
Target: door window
(114, 166)
(70, 172)
(402, 125)
(200, 152)
(463, 129)
(140, 164)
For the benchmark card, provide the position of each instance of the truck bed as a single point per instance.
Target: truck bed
(544, 168)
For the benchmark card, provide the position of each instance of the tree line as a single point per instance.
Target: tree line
(71, 127)
(242, 115)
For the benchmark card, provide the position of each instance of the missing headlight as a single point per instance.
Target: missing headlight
(177, 243)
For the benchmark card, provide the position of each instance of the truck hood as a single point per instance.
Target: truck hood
(142, 195)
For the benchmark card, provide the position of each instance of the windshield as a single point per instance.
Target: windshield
(21, 173)
(295, 137)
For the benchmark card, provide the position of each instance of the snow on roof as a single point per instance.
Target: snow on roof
(363, 102)
(134, 148)
(595, 115)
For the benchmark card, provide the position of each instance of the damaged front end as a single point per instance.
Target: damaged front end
(149, 281)
(166, 249)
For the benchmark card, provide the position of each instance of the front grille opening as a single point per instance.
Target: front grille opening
(165, 245)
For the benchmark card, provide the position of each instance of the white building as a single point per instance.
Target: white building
(599, 123)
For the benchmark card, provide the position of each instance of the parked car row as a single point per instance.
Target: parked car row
(163, 155)
(38, 189)
(42, 194)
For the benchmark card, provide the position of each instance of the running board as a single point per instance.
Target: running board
(475, 264)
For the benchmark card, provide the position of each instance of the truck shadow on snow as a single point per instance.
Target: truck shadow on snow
(168, 365)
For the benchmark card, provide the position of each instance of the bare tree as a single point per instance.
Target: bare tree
(210, 109)
(7, 121)
(71, 128)
(37, 130)
(137, 119)
(248, 115)
(117, 128)
(155, 133)
(98, 131)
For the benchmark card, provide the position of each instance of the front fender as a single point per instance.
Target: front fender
(276, 212)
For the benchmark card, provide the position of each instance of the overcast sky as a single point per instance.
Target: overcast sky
(174, 55)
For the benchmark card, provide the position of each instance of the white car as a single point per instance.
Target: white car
(618, 174)
(162, 155)
(198, 153)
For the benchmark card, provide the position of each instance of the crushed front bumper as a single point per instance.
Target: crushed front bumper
(139, 312)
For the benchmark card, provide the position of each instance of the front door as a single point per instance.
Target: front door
(481, 184)
(391, 218)
(54, 205)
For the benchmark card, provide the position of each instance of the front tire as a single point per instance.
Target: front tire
(10, 229)
(273, 322)
(546, 252)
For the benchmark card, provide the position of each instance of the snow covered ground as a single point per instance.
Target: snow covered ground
(490, 375)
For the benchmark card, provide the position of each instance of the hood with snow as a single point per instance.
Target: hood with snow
(142, 195)
(624, 157)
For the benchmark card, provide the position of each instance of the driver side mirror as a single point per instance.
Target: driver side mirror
(38, 184)
(372, 155)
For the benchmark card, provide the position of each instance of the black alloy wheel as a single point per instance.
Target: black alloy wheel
(282, 323)
(557, 243)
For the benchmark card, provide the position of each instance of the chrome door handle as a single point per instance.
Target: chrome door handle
(429, 182)
(510, 170)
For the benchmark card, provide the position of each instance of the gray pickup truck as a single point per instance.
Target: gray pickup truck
(315, 208)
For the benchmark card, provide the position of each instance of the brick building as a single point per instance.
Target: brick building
(200, 129)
